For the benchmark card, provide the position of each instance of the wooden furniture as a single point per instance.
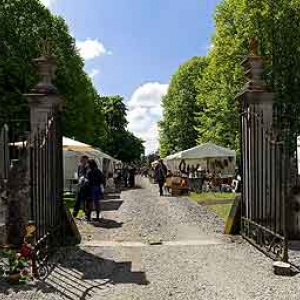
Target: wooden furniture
(179, 186)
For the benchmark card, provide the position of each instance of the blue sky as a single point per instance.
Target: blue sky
(132, 47)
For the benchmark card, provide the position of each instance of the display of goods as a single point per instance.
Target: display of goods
(176, 181)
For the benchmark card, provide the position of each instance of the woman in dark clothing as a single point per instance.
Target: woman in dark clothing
(160, 175)
(96, 181)
(82, 187)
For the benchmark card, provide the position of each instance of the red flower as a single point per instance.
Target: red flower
(26, 251)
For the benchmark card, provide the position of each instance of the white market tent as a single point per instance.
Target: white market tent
(73, 150)
(209, 156)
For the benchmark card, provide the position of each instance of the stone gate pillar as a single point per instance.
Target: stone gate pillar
(45, 105)
(44, 98)
(254, 100)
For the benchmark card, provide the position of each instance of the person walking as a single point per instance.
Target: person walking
(82, 186)
(96, 183)
(125, 174)
(160, 175)
(131, 178)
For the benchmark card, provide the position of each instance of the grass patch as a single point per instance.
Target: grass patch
(222, 210)
(70, 205)
(211, 197)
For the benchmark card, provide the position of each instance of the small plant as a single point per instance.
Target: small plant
(16, 267)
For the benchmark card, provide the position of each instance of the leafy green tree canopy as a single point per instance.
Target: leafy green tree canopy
(177, 129)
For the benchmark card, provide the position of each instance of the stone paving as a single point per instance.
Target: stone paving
(159, 248)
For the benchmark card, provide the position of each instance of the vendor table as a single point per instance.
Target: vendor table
(196, 184)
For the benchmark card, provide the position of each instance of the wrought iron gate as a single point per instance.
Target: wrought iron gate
(35, 156)
(35, 183)
(265, 201)
(45, 150)
(266, 164)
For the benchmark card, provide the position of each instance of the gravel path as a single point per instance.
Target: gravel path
(144, 216)
(117, 261)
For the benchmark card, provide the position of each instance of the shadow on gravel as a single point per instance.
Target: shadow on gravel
(111, 196)
(136, 187)
(107, 224)
(110, 205)
(79, 275)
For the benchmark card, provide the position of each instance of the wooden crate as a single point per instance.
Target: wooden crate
(179, 191)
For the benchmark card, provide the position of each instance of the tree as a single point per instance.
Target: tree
(115, 112)
(177, 129)
(118, 141)
(24, 26)
(276, 25)
(99, 121)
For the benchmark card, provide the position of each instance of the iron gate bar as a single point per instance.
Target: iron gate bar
(268, 242)
(264, 199)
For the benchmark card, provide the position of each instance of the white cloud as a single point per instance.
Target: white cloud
(90, 49)
(93, 73)
(145, 111)
(210, 46)
(48, 3)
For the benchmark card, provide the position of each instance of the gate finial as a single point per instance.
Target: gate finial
(46, 67)
(46, 47)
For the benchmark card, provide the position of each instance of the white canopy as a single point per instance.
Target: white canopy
(206, 156)
(73, 150)
(208, 150)
(76, 146)
(85, 149)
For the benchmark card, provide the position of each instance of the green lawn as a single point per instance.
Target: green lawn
(70, 204)
(222, 210)
(211, 197)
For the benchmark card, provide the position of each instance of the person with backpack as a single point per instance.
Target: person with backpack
(160, 175)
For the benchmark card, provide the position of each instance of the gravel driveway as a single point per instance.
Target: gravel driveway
(160, 248)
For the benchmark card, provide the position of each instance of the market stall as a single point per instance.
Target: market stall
(72, 150)
(207, 165)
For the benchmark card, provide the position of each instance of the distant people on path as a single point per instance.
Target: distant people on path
(125, 174)
(160, 173)
(144, 172)
(110, 184)
(131, 178)
(96, 183)
(82, 186)
(118, 180)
